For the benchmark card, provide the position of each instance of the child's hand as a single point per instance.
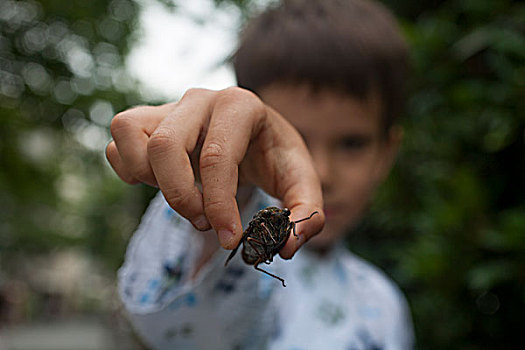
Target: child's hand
(219, 137)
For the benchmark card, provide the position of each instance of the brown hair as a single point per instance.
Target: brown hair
(350, 45)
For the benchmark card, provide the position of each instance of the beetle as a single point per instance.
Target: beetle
(266, 234)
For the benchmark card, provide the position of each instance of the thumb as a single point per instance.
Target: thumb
(303, 196)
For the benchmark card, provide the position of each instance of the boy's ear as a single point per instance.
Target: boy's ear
(391, 146)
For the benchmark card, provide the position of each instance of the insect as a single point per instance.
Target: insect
(266, 234)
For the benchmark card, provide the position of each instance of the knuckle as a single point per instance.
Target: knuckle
(212, 154)
(178, 200)
(234, 93)
(214, 207)
(161, 142)
(193, 92)
(120, 122)
(250, 101)
(234, 90)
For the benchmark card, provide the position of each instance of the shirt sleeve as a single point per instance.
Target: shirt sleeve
(221, 308)
(398, 327)
(383, 313)
(401, 335)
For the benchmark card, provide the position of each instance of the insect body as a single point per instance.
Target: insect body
(266, 234)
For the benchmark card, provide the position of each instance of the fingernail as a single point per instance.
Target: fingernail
(225, 236)
(201, 223)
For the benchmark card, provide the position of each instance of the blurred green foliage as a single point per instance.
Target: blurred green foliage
(61, 81)
(449, 224)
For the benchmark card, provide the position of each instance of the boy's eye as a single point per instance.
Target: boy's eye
(353, 142)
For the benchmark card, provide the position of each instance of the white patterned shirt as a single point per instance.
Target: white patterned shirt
(337, 301)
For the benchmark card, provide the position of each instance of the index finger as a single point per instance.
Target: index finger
(169, 150)
(233, 122)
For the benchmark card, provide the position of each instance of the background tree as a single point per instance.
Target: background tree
(450, 223)
(61, 81)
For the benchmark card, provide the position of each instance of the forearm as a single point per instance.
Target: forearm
(175, 287)
(161, 256)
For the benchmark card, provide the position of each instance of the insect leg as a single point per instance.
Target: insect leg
(303, 219)
(268, 231)
(232, 254)
(256, 266)
(261, 255)
(249, 240)
(307, 218)
(292, 226)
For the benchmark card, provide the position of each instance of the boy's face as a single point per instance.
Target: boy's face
(348, 145)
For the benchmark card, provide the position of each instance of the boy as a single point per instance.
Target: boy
(330, 71)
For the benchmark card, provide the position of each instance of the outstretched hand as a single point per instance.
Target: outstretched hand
(217, 139)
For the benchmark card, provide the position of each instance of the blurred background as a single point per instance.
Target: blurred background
(448, 226)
